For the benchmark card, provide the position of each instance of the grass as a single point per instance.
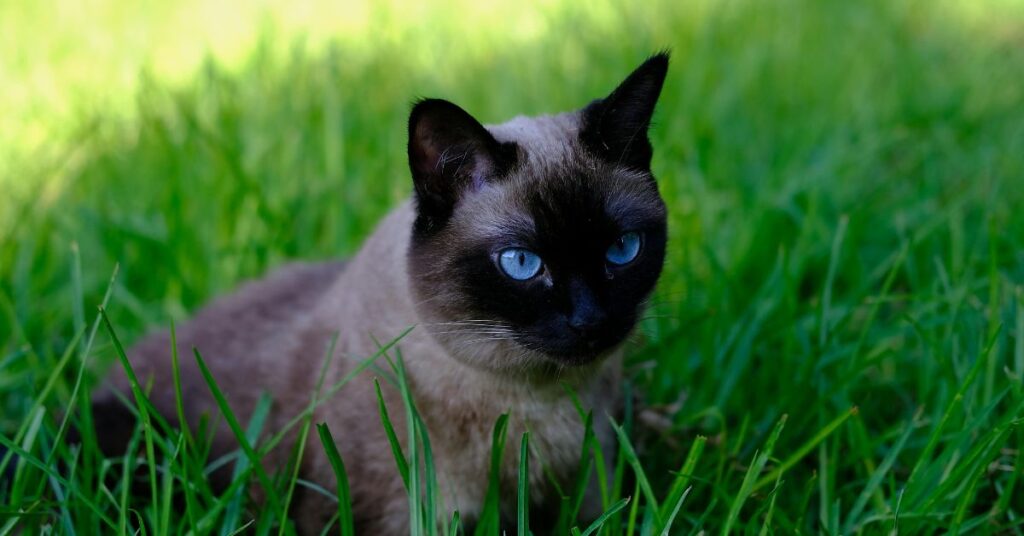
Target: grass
(847, 254)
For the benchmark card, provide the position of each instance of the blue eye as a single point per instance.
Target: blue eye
(624, 249)
(519, 264)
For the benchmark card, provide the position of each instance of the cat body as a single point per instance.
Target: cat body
(506, 263)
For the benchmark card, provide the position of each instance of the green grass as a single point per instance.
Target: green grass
(845, 183)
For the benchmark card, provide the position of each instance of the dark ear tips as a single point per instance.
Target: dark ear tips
(658, 63)
(449, 152)
(616, 127)
(648, 78)
(435, 127)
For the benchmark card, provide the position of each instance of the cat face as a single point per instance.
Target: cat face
(537, 241)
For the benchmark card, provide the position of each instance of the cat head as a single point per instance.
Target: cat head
(537, 241)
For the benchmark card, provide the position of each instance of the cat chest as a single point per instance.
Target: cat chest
(464, 469)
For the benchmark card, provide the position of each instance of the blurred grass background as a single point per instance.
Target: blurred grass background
(845, 183)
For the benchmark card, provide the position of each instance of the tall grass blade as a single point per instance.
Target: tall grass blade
(51, 472)
(142, 403)
(604, 517)
(523, 495)
(233, 512)
(337, 386)
(876, 479)
(389, 429)
(748, 485)
(255, 461)
(804, 449)
(681, 482)
(671, 517)
(300, 447)
(638, 470)
(490, 515)
(936, 435)
(346, 525)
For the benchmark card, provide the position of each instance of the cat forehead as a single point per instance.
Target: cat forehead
(555, 185)
(573, 196)
(545, 141)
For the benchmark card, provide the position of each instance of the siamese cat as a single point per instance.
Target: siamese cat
(523, 259)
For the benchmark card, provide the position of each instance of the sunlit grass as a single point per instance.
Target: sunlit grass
(59, 59)
(844, 183)
(62, 65)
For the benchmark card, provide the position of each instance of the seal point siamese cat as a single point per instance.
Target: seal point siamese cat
(523, 260)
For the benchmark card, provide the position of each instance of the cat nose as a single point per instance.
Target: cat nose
(586, 321)
(587, 316)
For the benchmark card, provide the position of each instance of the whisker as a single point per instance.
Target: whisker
(430, 299)
(494, 332)
(467, 323)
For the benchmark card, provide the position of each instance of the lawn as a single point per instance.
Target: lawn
(836, 344)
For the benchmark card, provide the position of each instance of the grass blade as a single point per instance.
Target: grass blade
(675, 511)
(766, 526)
(876, 479)
(747, 486)
(600, 521)
(345, 519)
(300, 447)
(455, 528)
(143, 405)
(804, 449)
(232, 514)
(523, 496)
(680, 483)
(389, 429)
(254, 459)
(638, 471)
(490, 515)
(954, 401)
(358, 369)
(55, 475)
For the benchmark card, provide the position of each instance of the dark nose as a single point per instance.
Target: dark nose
(586, 322)
(587, 316)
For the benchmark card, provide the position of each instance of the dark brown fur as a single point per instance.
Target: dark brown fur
(225, 332)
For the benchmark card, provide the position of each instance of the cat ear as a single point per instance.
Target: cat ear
(615, 127)
(450, 153)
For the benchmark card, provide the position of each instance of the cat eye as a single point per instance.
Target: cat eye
(624, 249)
(519, 264)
